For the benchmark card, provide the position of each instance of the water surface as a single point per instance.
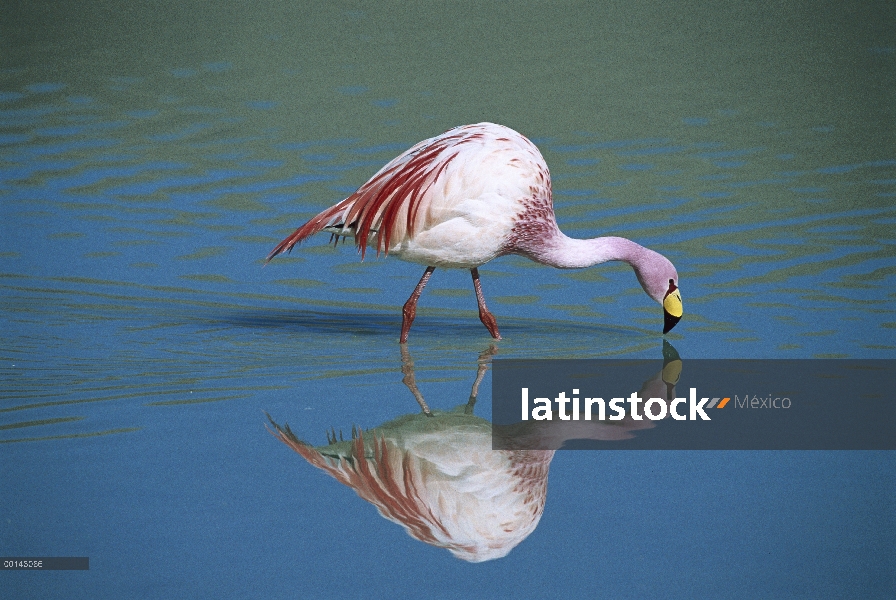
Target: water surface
(152, 155)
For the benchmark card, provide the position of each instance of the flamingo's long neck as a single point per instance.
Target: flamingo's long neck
(564, 252)
(558, 250)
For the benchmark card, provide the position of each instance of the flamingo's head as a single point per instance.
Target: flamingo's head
(659, 279)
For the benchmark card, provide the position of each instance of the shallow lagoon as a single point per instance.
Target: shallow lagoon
(151, 158)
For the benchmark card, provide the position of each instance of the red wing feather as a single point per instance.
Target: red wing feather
(376, 206)
(374, 479)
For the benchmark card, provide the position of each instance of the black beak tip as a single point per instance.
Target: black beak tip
(669, 322)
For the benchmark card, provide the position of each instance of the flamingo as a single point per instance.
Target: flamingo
(435, 474)
(465, 197)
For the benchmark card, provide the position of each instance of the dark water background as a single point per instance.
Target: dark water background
(151, 154)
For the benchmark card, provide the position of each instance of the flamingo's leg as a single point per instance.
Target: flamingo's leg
(407, 368)
(487, 318)
(485, 357)
(410, 307)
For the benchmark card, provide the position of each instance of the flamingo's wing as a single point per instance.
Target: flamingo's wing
(388, 479)
(390, 203)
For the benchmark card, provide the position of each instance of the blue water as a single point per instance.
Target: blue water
(149, 162)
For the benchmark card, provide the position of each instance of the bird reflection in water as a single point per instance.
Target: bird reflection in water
(435, 473)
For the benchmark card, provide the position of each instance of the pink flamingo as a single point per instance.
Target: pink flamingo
(462, 198)
(436, 475)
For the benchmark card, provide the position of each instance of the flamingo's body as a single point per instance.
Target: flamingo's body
(467, 196)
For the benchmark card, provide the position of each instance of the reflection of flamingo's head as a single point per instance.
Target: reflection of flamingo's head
(440, 480)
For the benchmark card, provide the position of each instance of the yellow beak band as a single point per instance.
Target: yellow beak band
(672, 307)
(672, 304)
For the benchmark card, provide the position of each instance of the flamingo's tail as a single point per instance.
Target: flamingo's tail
(332, 220)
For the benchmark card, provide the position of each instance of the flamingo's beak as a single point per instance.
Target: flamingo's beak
(672, 308)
